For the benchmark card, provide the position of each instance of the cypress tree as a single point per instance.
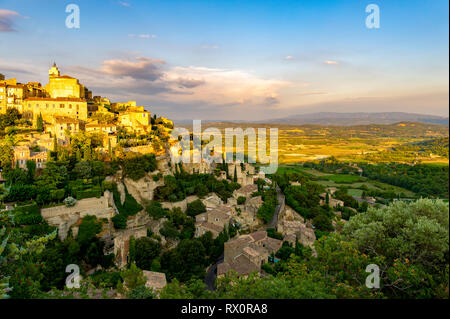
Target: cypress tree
(40, 123)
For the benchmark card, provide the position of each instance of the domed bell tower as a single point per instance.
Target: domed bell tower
(54, 71)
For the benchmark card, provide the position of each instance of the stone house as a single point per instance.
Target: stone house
(293, 227)
(248, 253)
(22, 154)
(155, 280)
(213, 220)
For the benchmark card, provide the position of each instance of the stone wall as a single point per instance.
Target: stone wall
(181, 204)
(64, 217)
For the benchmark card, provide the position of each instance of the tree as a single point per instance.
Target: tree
(40, 123)
(133, 277)
(194, 208)
(82, 170)
(413, 239)
(6, 156)
(186, 261)
(31, 171)
(241, 200)
(11, 116)
(146, 250)
(322, 222)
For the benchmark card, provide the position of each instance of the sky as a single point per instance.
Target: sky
(238, 60)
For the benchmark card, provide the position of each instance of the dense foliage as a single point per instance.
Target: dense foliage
(423, 179)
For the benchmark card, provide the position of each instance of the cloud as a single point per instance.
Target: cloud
(226, 87)
(205, 92)
(7, 18)
(142, 69)
(331, 62)
(272, 99)
(142, 36)
(125, 4)
(189, 83)
(289, 57)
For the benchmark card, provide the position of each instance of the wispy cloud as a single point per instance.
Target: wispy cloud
(142, 36)
(7, 18)
(125, 4)
(331, 62)
(289, 57)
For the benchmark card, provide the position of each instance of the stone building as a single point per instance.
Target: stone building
(247, 253)
(64, 86)
(245, 191)
(61, 126)
(135, 119)
(213, 221)
(155, 280)
(293, 227)
(22, 154)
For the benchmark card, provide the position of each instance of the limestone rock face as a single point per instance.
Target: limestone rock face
(163, 165)
(143, 189)
(140, 219)
(121, 190)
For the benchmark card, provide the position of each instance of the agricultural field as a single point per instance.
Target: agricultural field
(406, 142)
(354, 183)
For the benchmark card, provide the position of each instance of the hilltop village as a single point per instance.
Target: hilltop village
(118, 176)
(90, 182)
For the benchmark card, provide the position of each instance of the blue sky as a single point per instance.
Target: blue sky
(238, 59)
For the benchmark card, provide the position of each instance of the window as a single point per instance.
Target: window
(54, 106)
(46, 105)
(70, 106)
(61, 106)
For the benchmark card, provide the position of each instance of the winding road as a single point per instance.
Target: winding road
(211, 274)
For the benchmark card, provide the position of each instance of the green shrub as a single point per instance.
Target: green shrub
(155, 210)
(119, 221)
(93, 192)
(194, 208)
(241, 200)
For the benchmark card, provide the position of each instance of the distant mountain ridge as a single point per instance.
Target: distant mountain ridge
(341, 119)
(347, 119)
